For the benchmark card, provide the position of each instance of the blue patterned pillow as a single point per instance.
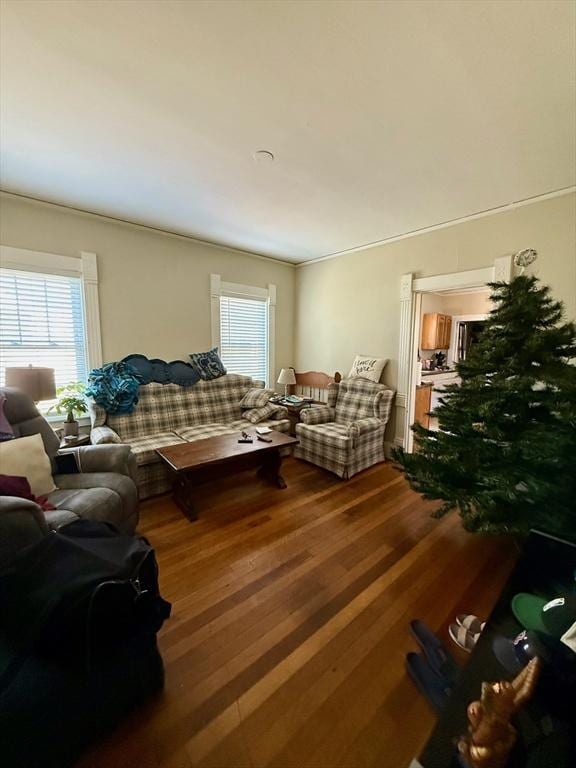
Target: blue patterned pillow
(208, 364)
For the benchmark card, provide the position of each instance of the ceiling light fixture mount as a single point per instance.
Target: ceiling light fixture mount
(263, 156)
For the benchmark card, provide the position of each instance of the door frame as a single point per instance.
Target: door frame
(411, 290)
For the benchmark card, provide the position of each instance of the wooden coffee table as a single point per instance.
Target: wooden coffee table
(214, 457)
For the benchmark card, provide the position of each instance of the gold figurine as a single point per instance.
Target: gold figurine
(491, 736)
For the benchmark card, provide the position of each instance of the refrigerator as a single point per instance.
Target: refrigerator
(468, 334)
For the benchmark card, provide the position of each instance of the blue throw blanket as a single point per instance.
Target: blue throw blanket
(115, 387)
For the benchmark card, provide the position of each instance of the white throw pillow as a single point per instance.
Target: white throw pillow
(26, 457)
(366, 367)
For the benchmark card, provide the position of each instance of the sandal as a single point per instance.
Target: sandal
(470, 622)
(462, 637)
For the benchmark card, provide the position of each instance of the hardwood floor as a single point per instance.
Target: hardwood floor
(290, 621)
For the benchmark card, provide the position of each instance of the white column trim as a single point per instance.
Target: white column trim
(454, 280)
(91, 309)
(271, 335)
(503, 269)
(404, 373)
(215, 293)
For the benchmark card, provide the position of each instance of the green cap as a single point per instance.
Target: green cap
(553, 617)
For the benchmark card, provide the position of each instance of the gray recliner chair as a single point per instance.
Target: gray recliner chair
(104, 490)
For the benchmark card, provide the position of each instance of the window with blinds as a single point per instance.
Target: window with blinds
(244, 336)
(42, 323)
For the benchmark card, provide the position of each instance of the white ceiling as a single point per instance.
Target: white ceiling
(384, 117)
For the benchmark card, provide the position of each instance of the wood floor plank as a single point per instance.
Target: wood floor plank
(290, 622)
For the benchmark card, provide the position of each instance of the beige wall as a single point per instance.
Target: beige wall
(432, 302)
(351, 304)
(154, 288)
(466, 303)
(454, 304)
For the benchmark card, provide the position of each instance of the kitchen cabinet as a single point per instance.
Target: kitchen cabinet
(422, 405)
(436, 330)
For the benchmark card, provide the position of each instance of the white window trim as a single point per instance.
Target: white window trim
(220, 288)
(85, 267)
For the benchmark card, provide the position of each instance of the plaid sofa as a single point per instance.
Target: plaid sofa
(347, 434)
(168, 414)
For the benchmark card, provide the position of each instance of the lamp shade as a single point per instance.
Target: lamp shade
(38, 383)
(287, 376)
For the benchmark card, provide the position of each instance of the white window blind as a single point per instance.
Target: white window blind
(42, 323)
(244, 336)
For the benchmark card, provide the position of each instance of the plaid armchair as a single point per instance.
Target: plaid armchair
(346, 435)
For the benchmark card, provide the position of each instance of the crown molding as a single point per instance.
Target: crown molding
(146, 227)
(444, 225)
(292, 264)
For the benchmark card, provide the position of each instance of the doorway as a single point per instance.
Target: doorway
(412, 293)
(450, 324)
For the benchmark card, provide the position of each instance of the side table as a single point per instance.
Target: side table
(80, 440)
(294, 415)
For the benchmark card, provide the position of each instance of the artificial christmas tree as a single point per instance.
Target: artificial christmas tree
(505, 452)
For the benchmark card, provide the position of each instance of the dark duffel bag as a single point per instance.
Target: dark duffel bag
(80, 590)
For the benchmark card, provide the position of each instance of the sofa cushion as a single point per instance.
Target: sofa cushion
(257, 415)
(331, 434)
(19, 487)
(208, 364)
(89, 503)
(123, 485)
(25, 419)
(144, 448)
(59, 517)
(124, 515)
(201, 431)
(169, 407)
(357, 399)
(27, 457)
(176, 372)
(256, 398)
(367, 367)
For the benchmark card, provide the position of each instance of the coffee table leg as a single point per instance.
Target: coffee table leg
(182, 495)
(270, 469)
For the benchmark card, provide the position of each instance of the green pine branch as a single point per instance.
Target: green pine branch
(505, 455)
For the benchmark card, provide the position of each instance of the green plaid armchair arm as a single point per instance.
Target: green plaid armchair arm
(317, 414)
(280, 413)
(384, 405)
(364, 426)
(103, 434)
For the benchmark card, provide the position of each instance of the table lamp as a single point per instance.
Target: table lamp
(287, 377)
(38, 383)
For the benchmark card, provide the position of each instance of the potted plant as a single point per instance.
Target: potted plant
(70, 401)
